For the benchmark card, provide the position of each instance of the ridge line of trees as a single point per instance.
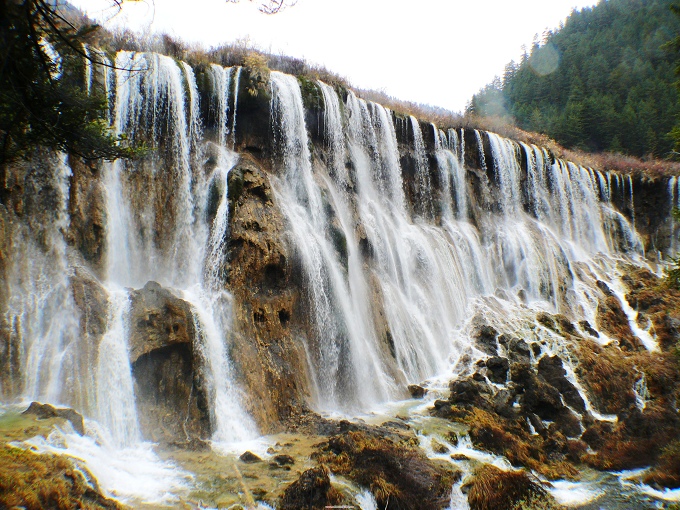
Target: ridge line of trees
(603, 81)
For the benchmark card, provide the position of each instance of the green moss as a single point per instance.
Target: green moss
(312, 97)
(235, 187)
(340, 244)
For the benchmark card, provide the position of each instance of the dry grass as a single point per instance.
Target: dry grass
(508, 438)
(494, 489)
(608, 375)
(667, 472)
(396, 471)
(35, 482)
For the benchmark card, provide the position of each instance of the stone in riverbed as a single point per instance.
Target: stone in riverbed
(45, 411)
(416, 391)
(497, 369)
(312, 490)
(249, 457)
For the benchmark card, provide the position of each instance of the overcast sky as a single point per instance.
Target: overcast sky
(437, 52)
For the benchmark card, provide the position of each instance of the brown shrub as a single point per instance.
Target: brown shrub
(509, 438)
(397, 472)
(494, 489)
(313, 490)
(608, 375)
(35, 482)
(667, 472)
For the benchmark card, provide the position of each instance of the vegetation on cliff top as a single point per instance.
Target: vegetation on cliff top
(43, 98)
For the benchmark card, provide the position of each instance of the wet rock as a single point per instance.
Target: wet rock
(604, 288)
(612, 319)
(478, 376)
(283, 460)
(193, 444)
(485, 339)
(585, 326)
(459, 456)
(395, 470)
(399, 425)
(536, 423)
(545, 319)
(313, 490)
(550, 368)
(158, 319)
(87, 211)
(45, 411)
(502, 404)
(543, 400)
(437, 447)
(497, 369)
(171, 397)
(566, 326)
(521, 374)
(265, 281)
(596, 435)
(249, 457)
(468, 392)
(416, 391)
(518, 350)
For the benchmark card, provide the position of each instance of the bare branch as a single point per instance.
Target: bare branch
(270, 6)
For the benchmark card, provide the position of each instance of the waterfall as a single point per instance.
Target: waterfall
(403, 247)
(221, 83)
(193, 259)
(348, 370)
(115, 396)
(42, 315)
(157, 229)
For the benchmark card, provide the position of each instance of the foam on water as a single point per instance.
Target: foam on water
(574, 494)
(132, 474)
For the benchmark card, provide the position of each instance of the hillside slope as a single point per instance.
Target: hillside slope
(602, 82)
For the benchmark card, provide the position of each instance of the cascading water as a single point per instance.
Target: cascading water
(349, 370)
(529, 254)
(398, 261)
(192, 262)
(157, 229)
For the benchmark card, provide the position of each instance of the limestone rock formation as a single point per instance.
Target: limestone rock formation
(43, 411)
(313, 490)
(164, 353)
(267, 316)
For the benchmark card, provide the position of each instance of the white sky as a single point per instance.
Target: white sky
(438, 52)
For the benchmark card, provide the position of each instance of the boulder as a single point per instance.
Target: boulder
(497, 369)
(172, 400)
(313, 490)
(158, 319)
(394, 469)
(485, 339)
(416, 391)
(249, 457)
(45, 411)
(551, 370)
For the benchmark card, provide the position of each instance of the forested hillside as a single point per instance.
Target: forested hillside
(602, 82)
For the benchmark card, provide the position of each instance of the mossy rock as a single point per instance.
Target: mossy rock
(312, 97)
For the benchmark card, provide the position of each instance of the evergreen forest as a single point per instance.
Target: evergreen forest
(603, 81)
